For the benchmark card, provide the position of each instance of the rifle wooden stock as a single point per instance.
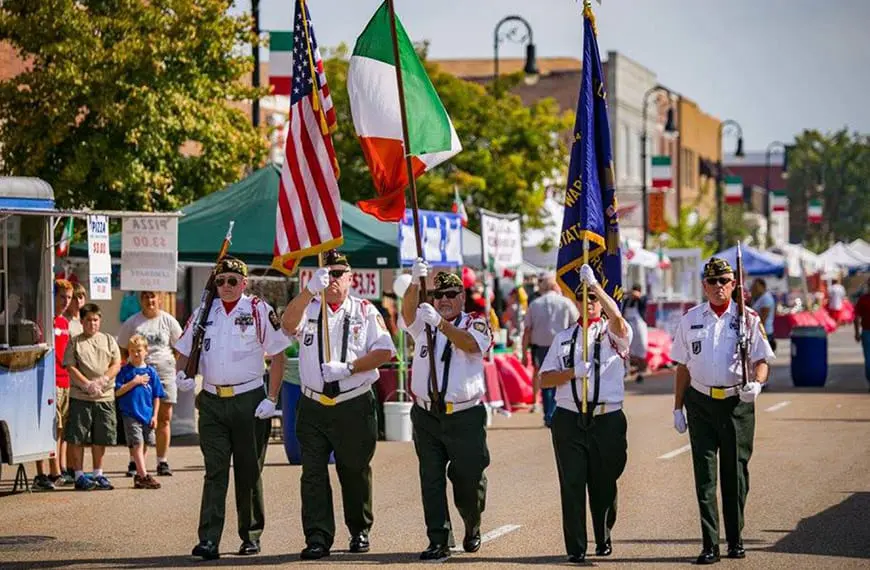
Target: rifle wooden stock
(205, 302)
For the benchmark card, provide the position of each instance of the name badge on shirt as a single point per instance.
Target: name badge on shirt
(696, 327)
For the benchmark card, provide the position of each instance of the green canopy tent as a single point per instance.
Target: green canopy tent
(251, 203)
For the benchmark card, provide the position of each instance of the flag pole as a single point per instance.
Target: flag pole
(430, 338)
(585, 330)
(327, 349)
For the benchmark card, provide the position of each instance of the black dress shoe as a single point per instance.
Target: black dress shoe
(359, 542)
(206, 550)
(249, 547)
(708, 556)
(577, 558)
(736, 551)
(603, 549)
(314, 552)
(435, 552)
(471, 543)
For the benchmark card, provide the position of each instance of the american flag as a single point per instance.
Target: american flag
(308, 219)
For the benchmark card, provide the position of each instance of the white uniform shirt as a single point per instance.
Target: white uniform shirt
(235, 344)
(707, 345)
(366, 332)
(614, 351)
(465, 380)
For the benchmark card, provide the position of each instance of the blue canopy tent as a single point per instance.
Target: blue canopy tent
(755, 263)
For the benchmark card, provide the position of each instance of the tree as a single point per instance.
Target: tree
(117, 89)
(835, 169)
(509, 151)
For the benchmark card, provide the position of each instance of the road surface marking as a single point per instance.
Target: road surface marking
(491, 535)
(778, 406)
(676, 452)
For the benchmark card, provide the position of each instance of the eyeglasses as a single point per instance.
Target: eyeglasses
(231, 281)
(448, 294)
(718, 280)
(337, 273)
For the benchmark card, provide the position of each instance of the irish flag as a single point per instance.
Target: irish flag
(377, 119)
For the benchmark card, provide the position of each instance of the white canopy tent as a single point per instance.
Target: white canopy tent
(842, 255)
(860, 246)
(800, 261)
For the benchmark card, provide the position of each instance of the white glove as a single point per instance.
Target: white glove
(265, 410)
(750, 392)
(680, 421)
(582, 369)
(419, 269)
(184, 383)
(334, 371)
(429, 314)
(587, 275)
(319, 281)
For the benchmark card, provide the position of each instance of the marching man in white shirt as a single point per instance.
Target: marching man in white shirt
(450, 427)
(591, 450)
(721, 413)
(241, 330)
(338, 410)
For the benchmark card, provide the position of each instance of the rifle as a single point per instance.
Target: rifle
(742, 338)
(208, 295)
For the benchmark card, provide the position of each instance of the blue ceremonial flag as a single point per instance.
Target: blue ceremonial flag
(590, 200)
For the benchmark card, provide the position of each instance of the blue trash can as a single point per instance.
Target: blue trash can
(809, 356)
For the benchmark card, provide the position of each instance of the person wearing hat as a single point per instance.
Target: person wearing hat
(240, 331)
(338, 410)
(720, 412)
(449, 430)
(591, 449)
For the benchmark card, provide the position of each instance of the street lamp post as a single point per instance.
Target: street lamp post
(770, 149)
(720, 229)
(255, 78)
(513, 34)
(669, 128)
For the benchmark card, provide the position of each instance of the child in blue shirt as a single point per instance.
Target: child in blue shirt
(138, 391)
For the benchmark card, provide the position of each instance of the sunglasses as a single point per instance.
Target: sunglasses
(448, 294)
(592, 298)
(337, 273)
(718, 280)
(231, 281)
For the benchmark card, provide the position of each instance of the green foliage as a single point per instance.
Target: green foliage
(683, 234)
(509, 151)
(116, 89)
(841, 163)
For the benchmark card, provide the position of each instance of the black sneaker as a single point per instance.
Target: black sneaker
(42, 483)
(163, 469)
(131, 469)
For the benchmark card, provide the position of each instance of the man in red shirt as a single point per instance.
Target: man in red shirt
(63, 292)
(862, 326)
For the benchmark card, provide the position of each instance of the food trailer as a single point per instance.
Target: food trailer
(27, 387)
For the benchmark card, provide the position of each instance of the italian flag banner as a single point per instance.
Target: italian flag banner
(733, 190)
(459, 207)
(662, 178)
(374, 104)
(280, 62)
(814, 211)
(779, 202)
(65, 238)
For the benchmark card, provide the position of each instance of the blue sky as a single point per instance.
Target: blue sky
(775, 66)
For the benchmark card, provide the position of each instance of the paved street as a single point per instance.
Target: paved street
(808, 502)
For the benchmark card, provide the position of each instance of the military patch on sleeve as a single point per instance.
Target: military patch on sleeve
(273, 318)
(479, 327)
(381, 324)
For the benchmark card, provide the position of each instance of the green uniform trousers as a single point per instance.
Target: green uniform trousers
(727, 427)
(228, 429)
(454, 446)
(350, 429)
(588, 456)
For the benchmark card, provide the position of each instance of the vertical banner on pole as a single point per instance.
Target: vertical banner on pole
(99, 258)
